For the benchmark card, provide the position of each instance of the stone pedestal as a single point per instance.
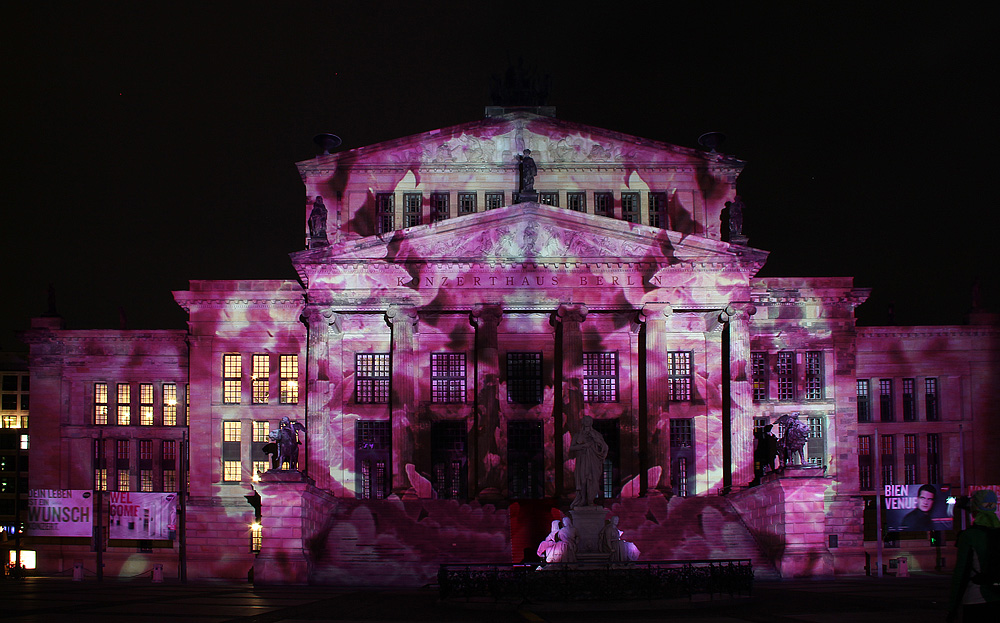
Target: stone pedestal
(282, 558)
(588, 521)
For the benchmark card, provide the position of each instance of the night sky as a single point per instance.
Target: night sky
(147, 146)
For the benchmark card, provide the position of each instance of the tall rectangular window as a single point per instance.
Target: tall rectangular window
(494, 201)
(549, 198)
(100, 465)
(888, 450)
(611, 472)
(604, 204)
(600, 377)
(232, 378)
(385, 211)
(170, 404)
(524, 378)
(440, 207)
(679, 376)
(261, 378)
(100, 403)
(374, 446)
(413, 204)
(371, 378)
(289, 370)
(449, 459)
(865, 462)
(145, 404)
(931, 400)
(145, 480)
(864, 401)
(525, 459)
(758, 367)
(910, 468)
(786, 375)
(576, 201)
(816, 442)
(933, 457)
(124, 404)
(630, 207)
(658, 209)
(232, 434)
(814, 375)
(259, 460)
(187, 404)
(124, 480)
(168, 463)
(448, 377)
(682, 456)
(885, 400)
(466, 203)
(909, 401)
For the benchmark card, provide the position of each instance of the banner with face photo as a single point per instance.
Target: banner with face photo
(919, 508)
(141, 515)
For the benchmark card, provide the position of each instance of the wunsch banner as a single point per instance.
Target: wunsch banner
(141, 515)
(918, 508)
(60, 512)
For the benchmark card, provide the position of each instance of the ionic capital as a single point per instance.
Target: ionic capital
(571, 312)
(486, 314)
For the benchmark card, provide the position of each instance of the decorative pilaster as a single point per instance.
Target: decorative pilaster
(321, 324)
(488, 468)
(569, 317)
(655, 316)
(403, 321)
(737, 316)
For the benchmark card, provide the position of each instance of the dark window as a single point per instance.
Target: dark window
(412, 206)
(682, 456)
(494, 201)
(814, 375)
(885, 400)
(864, 401)
(909, 401)
(600, 377)
(385, 210)
(679, 373)
(934, 457)
(604, 204)
(758, 365)
(525, 461)
(576, 201)
(658, 209)
(931, 400)
(910, 468)
(865, 462)
(374, 447)
(10, 383)
(466, 203)
(524, 378)
(447, 377)
(630, 207)
(786, 375)
(449, 460)
(371, 378)
(440, 209)
(549, 198)
(888, 449)
(610, 485)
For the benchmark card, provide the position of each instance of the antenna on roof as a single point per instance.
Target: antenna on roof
(712, 140)
(327, 142)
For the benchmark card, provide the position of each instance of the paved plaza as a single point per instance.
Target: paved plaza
(858, 600)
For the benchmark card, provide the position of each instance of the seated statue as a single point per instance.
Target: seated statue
(612, 543)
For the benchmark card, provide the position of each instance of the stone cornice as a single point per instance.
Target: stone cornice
(874, 333)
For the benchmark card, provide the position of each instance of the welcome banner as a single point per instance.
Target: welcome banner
(141, 515)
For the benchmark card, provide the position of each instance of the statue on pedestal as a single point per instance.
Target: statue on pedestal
(317, 224)
(284, 445)
(527, 171)
(796, 433)
(590, 450)
(612, 543)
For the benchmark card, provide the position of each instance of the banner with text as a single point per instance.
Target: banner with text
(60, 512)
(141, 515)
(920, 508)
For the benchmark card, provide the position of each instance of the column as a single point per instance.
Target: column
(657, 432)
(569, 317)
(737, 316)
(403, 320)
(487, 471)
(321, 325)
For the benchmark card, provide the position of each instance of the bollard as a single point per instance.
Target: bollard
(903, 571)
(157, 574)
(78, 572)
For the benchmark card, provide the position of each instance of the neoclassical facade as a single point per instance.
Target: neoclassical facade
(451, 324)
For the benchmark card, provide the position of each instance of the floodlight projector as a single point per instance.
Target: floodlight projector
(712, 140)
(327, 142)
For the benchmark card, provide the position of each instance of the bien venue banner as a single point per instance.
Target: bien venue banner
(918, 507)
(60, 512)
(142, 515)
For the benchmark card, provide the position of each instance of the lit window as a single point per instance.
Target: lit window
(549, 199)
(679, 372)
(412, 205)
(494, 201)
(630, 207)
(864, 401)
(758, 366)
(232, 378)
(256, 536)
(145, 404)
(124, 404)
(187, 404)
(466, 203)
(260, 432)
(170, 480)
(814, 375)
(385, 209)
(261, 379)
(289, 379)
(259, 467)
(931, 400)
(123, 480)
(786, 375)
(231, 471)
(24, 442)
(885, 400)
(576, 201)
(231, 431)
(101, 479)
(440, 209)
(604, 204)
(658, 209)
(600, 377)
(145, 480)
(371, 378)
(524, 378)
(100, 403)
(169, 404)
(447, 377)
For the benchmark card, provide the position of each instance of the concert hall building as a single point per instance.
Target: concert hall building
(448, 327)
